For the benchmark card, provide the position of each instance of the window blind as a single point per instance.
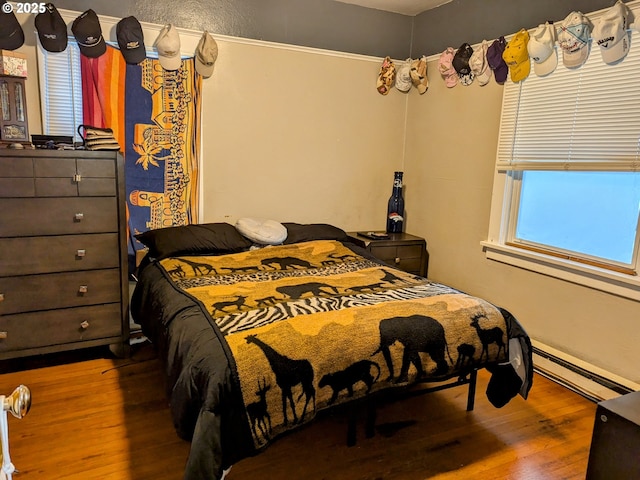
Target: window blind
(582, 119)
(61, 90)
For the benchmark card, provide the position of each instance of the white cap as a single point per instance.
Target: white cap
(403, 76)
(542, 49)
(611, 34)
(573, 38)
(479, 65)
(206, 55)
(168, 46)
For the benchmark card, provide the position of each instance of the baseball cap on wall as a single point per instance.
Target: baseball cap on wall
(418, 73)
(611, 34)
(479, 65)
(11, 34)
(206, 55)
(88, 33)
(542, 49)
(573, 38)
(168, 46)
(403, 76)
(131, 40)
(460, 63)
(516, 56)
(445, 67)
(52, 31)
(495, 60)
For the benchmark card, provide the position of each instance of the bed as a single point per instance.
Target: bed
(256, 341)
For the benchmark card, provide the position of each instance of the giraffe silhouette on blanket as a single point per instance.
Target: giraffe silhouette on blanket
(289, 373)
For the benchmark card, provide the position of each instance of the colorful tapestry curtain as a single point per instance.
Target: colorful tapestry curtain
(155, 115)
(103, 87)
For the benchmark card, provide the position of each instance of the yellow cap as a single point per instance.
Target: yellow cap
(516, 56)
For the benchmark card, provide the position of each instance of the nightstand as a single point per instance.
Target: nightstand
(403, 250)
(615, 444)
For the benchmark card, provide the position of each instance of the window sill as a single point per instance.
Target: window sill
(627, 286)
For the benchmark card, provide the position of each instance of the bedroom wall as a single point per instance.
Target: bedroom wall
(299, 135)
(450, 153)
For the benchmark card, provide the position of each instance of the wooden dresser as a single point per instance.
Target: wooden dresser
(63, 264)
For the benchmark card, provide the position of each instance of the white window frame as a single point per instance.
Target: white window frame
(505, 197)
(66, 108)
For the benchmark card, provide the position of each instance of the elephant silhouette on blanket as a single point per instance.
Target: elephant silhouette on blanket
(417, 334)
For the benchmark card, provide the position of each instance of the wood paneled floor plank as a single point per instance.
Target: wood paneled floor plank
(95, 417)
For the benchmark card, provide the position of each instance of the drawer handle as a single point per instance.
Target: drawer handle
(3, 335)
(81, 253)
(83, 289)
(397, 260)
(1, 297)
(84, 325)
(77, 178)
(78, 216)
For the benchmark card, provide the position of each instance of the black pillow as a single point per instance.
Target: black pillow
(206, 238)
(297, 232)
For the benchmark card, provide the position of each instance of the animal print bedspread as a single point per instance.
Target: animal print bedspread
(314, 324)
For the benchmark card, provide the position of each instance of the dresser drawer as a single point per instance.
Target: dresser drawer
(18, 187)
(57, 216)
(404, 257)
(388, 253)
(31, 293)
(13, 167)
(57, 177)
(16, 177)
(67, 187)
(45, 164)
(68, 167)
(38, 329)
(64, 253)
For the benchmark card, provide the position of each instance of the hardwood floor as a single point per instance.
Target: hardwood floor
(95, 417)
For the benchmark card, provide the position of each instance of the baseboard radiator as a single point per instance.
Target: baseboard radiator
(586, 380)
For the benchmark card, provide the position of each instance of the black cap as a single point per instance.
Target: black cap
(460, 64)
(460, 60)
(86, 28)
(131, 40)
(52, 31)
(11, 34)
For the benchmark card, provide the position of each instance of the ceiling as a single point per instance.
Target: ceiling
(406, 7)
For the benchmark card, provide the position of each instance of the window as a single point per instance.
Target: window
(566, 198)
(61, 90)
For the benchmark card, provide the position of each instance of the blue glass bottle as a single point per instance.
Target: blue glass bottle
(395, 207)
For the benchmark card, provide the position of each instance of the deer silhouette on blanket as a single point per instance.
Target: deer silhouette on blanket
(176, 272)
(259, 413)
(289, 373)
(488, 336)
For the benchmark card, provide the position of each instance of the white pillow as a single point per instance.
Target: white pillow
(262, 231)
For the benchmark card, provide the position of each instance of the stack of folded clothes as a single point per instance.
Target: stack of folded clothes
(98, 138)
